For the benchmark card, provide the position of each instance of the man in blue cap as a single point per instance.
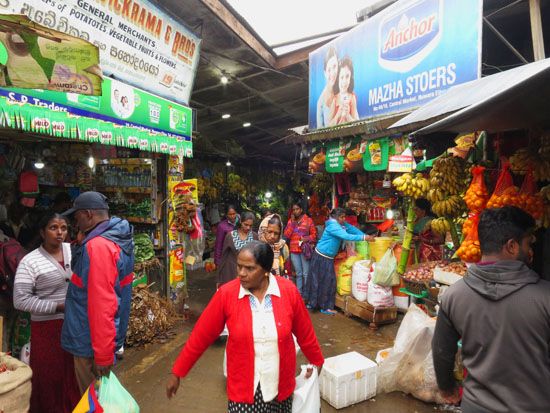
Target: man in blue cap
(97, 306)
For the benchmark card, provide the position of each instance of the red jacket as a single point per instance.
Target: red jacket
(291, 317)
(299, 231)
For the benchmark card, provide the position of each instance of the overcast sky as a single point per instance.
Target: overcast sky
(283, 20)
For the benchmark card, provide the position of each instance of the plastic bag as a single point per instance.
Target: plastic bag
(385, 273)
(529, 200)
(114, 398)
(377, 295)
(307, 398)
(409, 367)
(360, 280)
(477, 196)
(505, 192)
(469, 250)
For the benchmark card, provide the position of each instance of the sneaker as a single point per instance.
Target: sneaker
(328, 312)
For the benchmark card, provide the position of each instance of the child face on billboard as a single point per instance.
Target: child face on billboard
(344, 79)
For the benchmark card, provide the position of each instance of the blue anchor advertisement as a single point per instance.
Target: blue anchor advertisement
(396, 61)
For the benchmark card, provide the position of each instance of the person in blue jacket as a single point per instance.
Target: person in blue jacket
(321, 284)
(97, 306)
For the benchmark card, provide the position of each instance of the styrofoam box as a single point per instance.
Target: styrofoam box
(347, 379)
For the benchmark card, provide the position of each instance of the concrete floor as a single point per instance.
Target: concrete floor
(144, 370)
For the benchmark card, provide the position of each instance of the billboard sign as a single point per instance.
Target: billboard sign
(395, 61)
(138, 43)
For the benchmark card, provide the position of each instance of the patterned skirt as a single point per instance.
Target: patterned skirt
(259, 406)
(321, 283)
(54, 387)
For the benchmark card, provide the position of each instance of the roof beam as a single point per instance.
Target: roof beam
(228, 18)
(297, 56)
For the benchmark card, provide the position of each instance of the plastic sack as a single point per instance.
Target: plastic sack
(360, 280)
(307, 398)
(377, 295)
(477, 196)
(343, 270)
(409, 366)
(469, 250)
(529, 200)
(385, 273)
(505, 192)
(114, 398)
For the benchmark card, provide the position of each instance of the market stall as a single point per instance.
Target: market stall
(59, 146)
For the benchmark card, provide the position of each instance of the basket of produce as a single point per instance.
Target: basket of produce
(418, 277)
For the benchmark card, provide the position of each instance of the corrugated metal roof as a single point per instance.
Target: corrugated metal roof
(513, 99)
(373, 128)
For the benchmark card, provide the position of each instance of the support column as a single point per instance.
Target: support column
(536, 29)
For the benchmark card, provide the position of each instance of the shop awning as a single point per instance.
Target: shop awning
(62, 124)
(514, 99)
(373, 128)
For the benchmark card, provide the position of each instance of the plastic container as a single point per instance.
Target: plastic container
(378, 247)
(348, 379)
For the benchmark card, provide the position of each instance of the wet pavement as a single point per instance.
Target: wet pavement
(144, 370)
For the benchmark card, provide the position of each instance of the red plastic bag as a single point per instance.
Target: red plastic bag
(469, 250)
(529, 200)
(477, 196)
(505, 192)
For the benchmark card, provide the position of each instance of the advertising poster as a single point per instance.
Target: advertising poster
(334, 162)
(396, 61)
(317, 160)
(32, 56)
(353, 160)
(138, 43)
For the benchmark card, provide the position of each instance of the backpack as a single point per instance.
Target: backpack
(11, 253)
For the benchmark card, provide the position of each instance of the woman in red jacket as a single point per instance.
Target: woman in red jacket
(262, 313)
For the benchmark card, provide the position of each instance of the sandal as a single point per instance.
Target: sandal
(328, 312)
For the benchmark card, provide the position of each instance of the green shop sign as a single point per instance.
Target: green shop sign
(119, 103)
(63, 124)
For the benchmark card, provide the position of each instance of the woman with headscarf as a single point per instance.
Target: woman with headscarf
(233, 243)
(272, 236)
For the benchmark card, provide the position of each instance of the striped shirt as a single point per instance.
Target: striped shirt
(41, 283)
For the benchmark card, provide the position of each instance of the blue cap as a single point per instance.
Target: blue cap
(88, 200)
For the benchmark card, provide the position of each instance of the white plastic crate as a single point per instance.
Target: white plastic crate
(347, 379)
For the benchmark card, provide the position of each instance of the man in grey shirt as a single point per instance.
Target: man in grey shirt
(501, 310)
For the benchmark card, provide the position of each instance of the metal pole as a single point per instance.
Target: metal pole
(504, 40)
(536, 29)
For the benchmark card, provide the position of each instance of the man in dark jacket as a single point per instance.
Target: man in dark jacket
(97, 306)
(501, 310)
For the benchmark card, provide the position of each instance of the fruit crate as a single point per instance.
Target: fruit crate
(376, 316)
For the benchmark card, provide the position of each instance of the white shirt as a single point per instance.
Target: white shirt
(266, 348)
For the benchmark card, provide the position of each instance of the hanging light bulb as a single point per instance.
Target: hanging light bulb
(228, 163)
(91, 162)
(389, 214)
(268, 195)
(39, 164)
(224, 80)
